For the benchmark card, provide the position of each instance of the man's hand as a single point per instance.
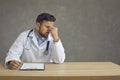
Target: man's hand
(14, 64)
(54, 33)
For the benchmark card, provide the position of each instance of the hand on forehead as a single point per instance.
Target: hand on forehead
(49, 24)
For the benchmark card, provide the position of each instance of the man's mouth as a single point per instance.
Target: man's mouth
(47, 32)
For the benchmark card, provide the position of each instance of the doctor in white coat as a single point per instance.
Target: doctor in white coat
(40, 44)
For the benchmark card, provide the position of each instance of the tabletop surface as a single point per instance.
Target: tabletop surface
(68, 69)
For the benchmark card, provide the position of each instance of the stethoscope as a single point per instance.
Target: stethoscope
(47, 46)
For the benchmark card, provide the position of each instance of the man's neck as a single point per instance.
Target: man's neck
(37, 33)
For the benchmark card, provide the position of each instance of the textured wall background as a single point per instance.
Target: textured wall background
(89, 29)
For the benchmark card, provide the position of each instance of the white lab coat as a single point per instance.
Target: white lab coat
(26, 49)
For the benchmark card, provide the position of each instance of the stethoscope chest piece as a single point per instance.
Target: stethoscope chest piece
(47, 48)
(45, 52)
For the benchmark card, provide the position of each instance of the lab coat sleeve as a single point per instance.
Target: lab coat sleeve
(16, 49)
(57, 52)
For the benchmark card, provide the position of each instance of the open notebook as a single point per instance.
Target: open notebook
(32, 66)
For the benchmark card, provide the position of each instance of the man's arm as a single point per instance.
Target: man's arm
(57, 52)
(57, 49)
(12, 61)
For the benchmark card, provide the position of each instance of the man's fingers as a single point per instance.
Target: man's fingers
(51, 27)
(13, 67)
(18, 63)
(14, 64)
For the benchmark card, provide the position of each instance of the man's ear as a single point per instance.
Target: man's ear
(37, 24)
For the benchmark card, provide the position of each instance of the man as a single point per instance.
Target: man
(41, 44)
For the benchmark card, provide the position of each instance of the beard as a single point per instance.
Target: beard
(44, 34)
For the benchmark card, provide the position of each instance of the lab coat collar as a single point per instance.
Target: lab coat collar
(33, 37)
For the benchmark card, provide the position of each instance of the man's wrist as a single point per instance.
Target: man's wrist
(56, 40)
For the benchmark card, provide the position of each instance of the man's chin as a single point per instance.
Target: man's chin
(46, 35)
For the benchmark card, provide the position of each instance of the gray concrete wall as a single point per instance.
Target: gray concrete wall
(89, 29)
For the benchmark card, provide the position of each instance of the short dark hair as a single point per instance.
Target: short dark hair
(45, 17)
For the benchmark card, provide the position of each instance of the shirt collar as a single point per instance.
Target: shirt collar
(38, 37)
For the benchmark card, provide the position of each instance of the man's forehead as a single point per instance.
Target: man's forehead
(48, 22)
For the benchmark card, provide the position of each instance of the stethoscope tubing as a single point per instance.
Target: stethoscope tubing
(48, 42)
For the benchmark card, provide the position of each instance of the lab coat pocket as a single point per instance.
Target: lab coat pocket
(27, 55)
(27, 49)
(41, 52)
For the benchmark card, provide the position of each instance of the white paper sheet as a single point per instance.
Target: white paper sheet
(32, 66)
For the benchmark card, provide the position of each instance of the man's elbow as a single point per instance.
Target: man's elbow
(58, 61)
